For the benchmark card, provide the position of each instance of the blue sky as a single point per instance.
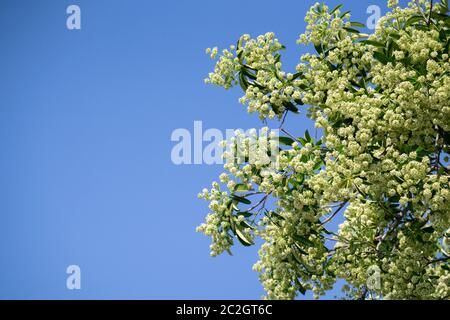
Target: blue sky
(86, 117)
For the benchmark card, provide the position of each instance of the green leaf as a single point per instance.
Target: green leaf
(428, 229)
(300, 286)
(303, 240)
(299, 102)
(297, 179)
(344, 14)
(439, 16)
(242, 81)
(357, 24)
(395, 36)
(246, 72)
(240, 53)
(232, 224)
(243, 238)
(422, 27)
(336, 9)
(413, 20)
(442, 36)
(421, 152)
(297, 75)
(307, 136)
(297, 247)
(240, 187)
(300, 178)
(245, 214)
(274, 215)
(373, 43)
(292, 182)
(240, 199)
(381, 57)
(302, 141)
(446, 135)
(245, 224)
(277, 58)
(319, 142)
(389, 47)
(394, 199)
(351, 30)
(324, 230)
(318, 48)
(286, 141)
(318, 165)
(290, 106)
(443, 7)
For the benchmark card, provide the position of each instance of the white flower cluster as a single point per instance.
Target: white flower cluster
(225, 70)
(323, 26)
(250, 159)
(256, 66)
(217, 224)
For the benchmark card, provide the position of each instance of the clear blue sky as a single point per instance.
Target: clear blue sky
(85, 122)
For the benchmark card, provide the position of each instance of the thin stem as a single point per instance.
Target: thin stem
(334, 213)
(262, 201)
(290, 135)
(421, 11)
(438, 260)
(282, 120)
(363, 295)
(431, 10)
(252, 194)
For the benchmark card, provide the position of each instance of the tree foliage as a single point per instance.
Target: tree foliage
(382, 102)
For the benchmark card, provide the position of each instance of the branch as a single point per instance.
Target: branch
(421, 11)
(438, 260)
(252, 194)
(290, 135)
(282, 120)
(262, 201)
(363, 295)
(334, 213)
(431, 11)
(394, 225)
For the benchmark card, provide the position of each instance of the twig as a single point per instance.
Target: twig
(290, 135)
(252, 193)
(263, 200)
(421, 11)
(431, 11)
(438, 260)
(334, 213)
(394, 225)
(363, 295)
(282, 120)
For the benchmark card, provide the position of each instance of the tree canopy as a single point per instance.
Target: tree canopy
(382, 105)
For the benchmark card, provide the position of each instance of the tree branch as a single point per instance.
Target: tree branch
(342, 205)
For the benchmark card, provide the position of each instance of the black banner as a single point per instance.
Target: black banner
(214, 309)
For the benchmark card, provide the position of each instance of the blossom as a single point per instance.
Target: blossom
(383, 104)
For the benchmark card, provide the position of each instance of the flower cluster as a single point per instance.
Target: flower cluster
(225, 70)
(383, 104)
